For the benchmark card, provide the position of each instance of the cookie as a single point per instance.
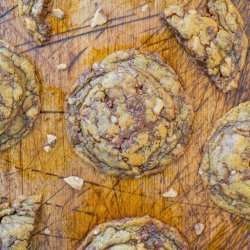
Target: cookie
(214, 37)
(129, 115)
(33, 14)
(133, 233)
(19, 96)
(225, 168)
(17, 222)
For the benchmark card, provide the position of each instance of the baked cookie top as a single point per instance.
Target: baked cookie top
(214, 37)
(129, 115)
(17, 222)
(133, 233)
(19, 96)
(33, 14)
(225, 168)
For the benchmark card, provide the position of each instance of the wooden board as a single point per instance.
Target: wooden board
(27, 169)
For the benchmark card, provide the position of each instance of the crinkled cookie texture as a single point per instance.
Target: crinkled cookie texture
(19, 96)
(214, 37)
(133, 234)
(17, 222)
(129, 115)
(33, 14)
(225, 168)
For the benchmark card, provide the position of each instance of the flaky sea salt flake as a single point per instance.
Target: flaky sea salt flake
(144, 8)
(62, 66)
(47, 231)
(51, 138)
(74, 181)
(99, 18)
(199, 228)
(171, 193)
(58, 13)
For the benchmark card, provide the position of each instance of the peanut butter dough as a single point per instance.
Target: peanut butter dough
(19, 96)
(214, 37)
(142, 233)
(33, 14)
(129, 115)
(17, 222)
(225, 168)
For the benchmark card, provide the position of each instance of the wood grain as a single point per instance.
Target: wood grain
(27, 169)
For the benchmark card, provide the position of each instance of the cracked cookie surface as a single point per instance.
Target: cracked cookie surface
(133, 234)
(225, 168)
(33, 14)
(17, 222)
(19, 96)
(214, 37)
(129, 115)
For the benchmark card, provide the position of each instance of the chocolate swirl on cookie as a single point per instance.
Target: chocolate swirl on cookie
(19, 96)
(214, 37)
(225, 167)
(129, 115)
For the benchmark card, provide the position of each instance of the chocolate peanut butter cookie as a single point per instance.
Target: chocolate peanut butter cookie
(225, 168)
(17, 222)
(133, 234)
(19, 96)
(129, 115)
(33, 14)
(214, 37)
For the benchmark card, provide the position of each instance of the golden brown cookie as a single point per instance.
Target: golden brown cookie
(129, 115)
(225, 167)
(142, 233)
(33, 14)
(214, 37)
(17, 221)
(19, 96)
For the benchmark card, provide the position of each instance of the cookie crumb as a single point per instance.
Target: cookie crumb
(62, 66)
(74, 181)
(199, 228)
(47, 231)
(99, 18)
(171, 193)
(47, 148)
(58, 13)
(144, 8)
